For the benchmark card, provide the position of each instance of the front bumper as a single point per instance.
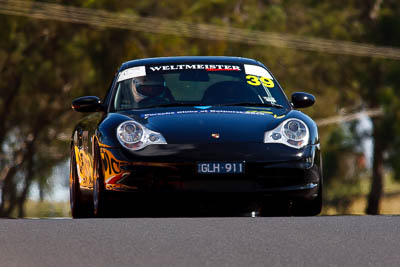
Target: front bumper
(270, 169)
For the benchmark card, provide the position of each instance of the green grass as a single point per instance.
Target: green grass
(390, 203)
(45, 209)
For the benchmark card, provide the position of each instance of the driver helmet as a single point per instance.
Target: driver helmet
(148, 86)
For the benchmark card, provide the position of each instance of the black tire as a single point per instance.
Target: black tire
(100, 203)
(302, 207)
(79, 208)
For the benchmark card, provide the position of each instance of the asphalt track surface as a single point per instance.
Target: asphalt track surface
(238, 241)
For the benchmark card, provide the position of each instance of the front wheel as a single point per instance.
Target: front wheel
(79, 208)
(308, 207)
(99, 193)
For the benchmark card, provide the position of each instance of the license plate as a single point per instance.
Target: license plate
(220, 167)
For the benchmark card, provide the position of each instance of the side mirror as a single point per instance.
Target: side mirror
(302, 100)
(87, 104)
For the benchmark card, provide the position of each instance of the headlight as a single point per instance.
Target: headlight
(291, 132)
(134, 136)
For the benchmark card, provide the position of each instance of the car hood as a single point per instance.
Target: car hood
(191, 125)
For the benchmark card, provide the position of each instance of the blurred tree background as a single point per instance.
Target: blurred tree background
(45, 64)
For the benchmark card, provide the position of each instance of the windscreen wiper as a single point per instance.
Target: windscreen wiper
(268, 104)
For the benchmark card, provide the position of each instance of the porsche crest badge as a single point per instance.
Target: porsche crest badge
(215, 135)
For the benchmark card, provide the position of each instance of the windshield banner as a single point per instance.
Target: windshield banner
(206, 67)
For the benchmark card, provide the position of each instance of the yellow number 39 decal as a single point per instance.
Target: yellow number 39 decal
(255, 81)
(267, 82)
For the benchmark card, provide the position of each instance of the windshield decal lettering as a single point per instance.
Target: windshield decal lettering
(213, 111)
(206, 67)
(222, 68)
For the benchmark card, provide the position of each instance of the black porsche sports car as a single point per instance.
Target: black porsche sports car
(195, 128)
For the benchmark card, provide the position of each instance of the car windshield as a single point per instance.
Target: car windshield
(197, 85)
